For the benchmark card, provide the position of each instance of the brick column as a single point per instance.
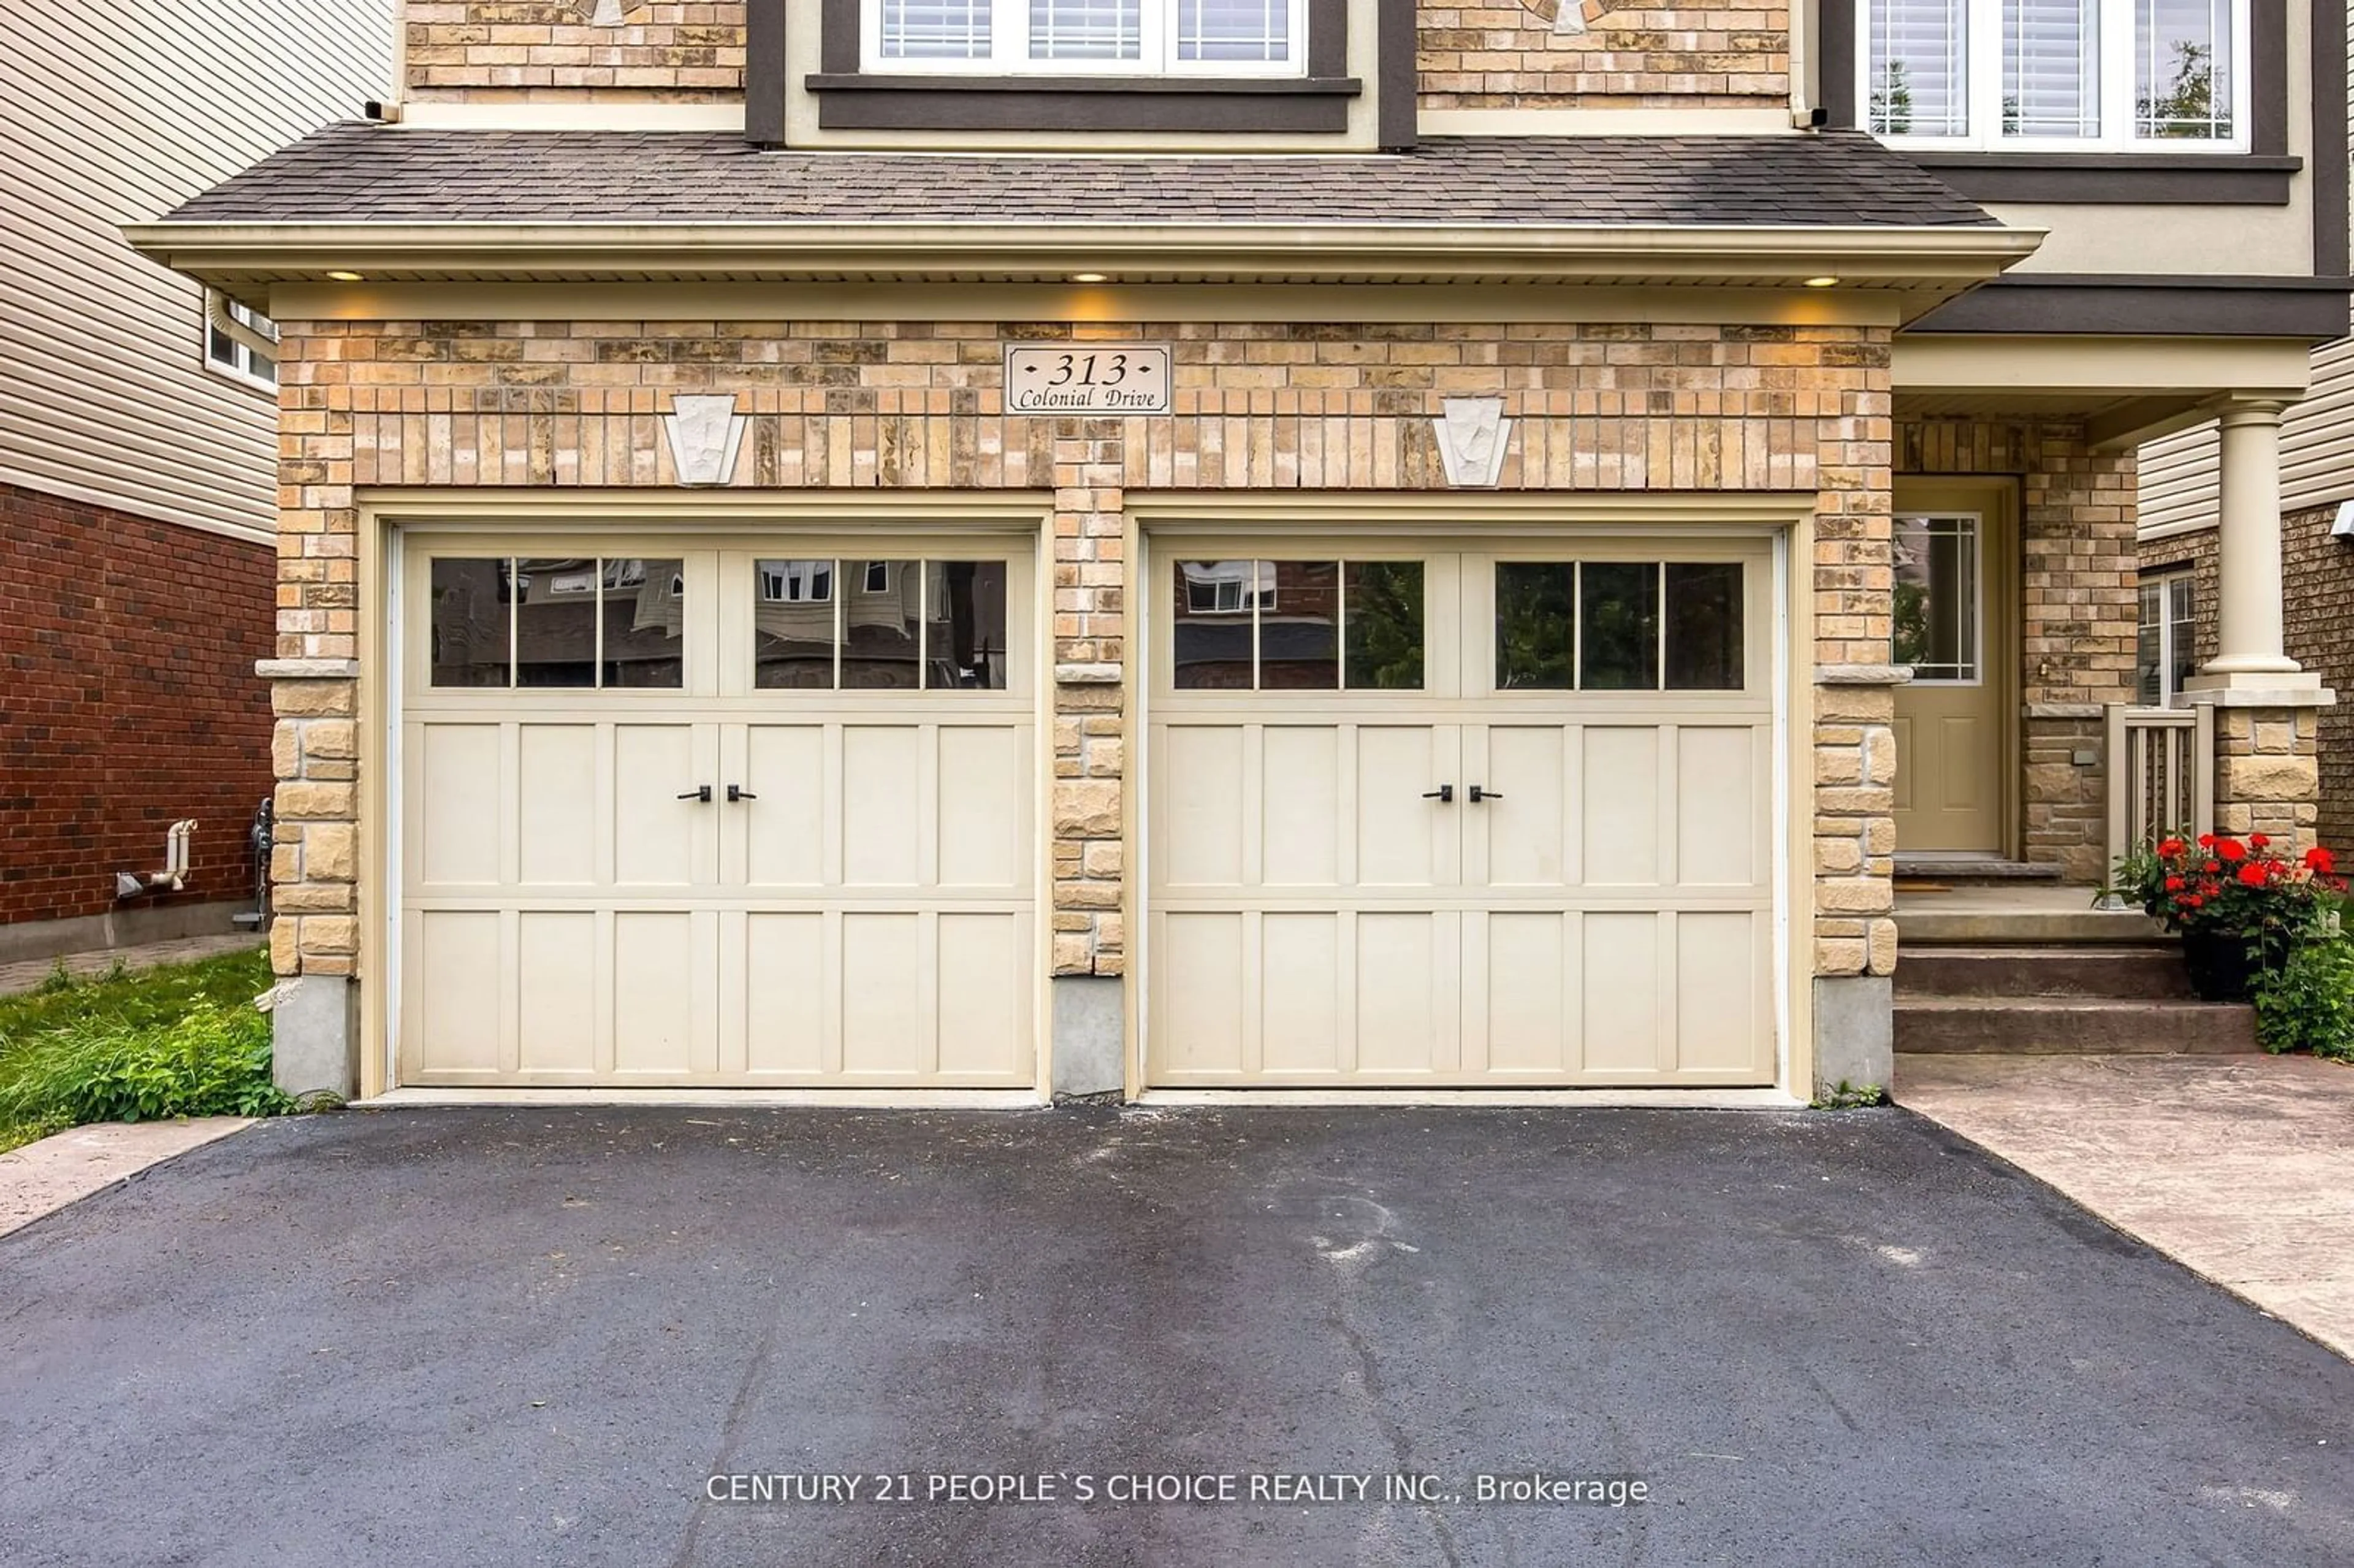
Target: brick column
(2268, 772)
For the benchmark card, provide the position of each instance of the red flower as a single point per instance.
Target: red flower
(2170, 847)
(2174, 884)
(2206, 840)
(2193, 900)
(2230, 849)
(2257, 841)
(2211, 867)
(2320, 860)
(2253, 873)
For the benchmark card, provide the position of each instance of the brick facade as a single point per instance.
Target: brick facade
(877, 405)
(130, 702)
(1506, 54)
(486, 50)
(2077, 612)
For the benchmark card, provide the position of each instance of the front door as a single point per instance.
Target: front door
(1952, 571)
(1494, 817)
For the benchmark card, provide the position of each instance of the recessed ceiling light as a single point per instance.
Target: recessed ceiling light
(346, 276)
(1088, 278)
(1821, 283)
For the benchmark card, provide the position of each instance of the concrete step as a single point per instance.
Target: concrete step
(1948, 925)
(2137, 971)
(1958, 869)
(2088, 1026)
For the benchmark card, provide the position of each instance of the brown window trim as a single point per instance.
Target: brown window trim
(849, 98)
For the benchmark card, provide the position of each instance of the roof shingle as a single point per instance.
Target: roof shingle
(362, 172)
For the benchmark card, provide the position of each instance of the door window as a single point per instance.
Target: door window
(1938, 598)
(583, 621)
(914, 624)
(1620, 626)
(1301, 626)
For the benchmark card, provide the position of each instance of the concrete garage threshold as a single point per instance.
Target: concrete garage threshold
(536, 1336)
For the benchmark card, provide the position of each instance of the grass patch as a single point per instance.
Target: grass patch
(183, 1039)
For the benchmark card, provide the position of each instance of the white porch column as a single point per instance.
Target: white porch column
(2248, 641)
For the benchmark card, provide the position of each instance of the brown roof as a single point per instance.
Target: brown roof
(363, 173)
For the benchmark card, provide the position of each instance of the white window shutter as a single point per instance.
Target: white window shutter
(1087, 30)
(934, 30)
(2050, 68)
(1233, 30)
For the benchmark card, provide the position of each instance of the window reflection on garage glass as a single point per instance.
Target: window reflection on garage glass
(879, 625)
(1619, 626)
(580, 622)
(1321, 626)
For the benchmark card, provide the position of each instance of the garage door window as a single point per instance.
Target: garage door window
(590, 623)
(879, 625)
(1619, 626)
(1299, 626)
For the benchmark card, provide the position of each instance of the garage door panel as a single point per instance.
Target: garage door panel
(456, 997)
(1528, 834)
(557, 831)
(983, 1003)
(1299, 988)
(1719, 790)
(1620, 800)
(784, 993)
(784, 835)
(1721, 992)
(984, 805)
(1198, 1029)
(556, 987)
(1398, 838)
(655, 991)
(1402, 1028)
(1528, 983)
(658, 839)
(1300, 811)
(886, 1032)
(1619, 960)
(883, 786)
(460, 789)
(1201, 799)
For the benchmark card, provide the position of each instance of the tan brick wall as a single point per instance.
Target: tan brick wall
(663, 52)
(864, 405)
(1504, 54)
(2267, 771)
(2076, 607)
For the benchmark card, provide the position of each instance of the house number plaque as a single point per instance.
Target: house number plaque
(1087, 379)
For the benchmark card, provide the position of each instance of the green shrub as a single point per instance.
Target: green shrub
(212, 1060)
(2308, 1003)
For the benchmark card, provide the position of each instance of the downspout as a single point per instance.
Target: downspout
(217, 317)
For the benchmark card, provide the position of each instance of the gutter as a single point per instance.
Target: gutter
(1863, 254)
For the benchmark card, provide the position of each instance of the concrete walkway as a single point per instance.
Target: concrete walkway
(28, 974)
(2241, 1168)
(44, 1176)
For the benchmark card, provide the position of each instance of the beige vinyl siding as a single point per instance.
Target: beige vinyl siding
(121, 111)
(2178, 473)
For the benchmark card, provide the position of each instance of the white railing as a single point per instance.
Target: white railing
(2161, 772)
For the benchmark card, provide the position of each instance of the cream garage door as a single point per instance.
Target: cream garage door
(757, 815)
(1427, 816)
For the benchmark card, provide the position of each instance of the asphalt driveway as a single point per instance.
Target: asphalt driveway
(475, 1338)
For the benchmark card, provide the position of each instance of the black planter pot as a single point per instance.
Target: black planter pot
(2225, 965)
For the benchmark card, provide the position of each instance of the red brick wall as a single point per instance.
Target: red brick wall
(127, 700)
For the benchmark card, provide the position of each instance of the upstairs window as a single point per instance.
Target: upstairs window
(2057, 75)
(1084, 38)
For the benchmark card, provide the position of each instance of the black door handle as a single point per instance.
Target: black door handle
(738, 792)
(1479, 794)
(1444, 794)
(700, 792)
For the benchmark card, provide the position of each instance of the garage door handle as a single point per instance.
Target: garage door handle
(738, 792)
(1444, 794)
(1479, 794)
(700, 792)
